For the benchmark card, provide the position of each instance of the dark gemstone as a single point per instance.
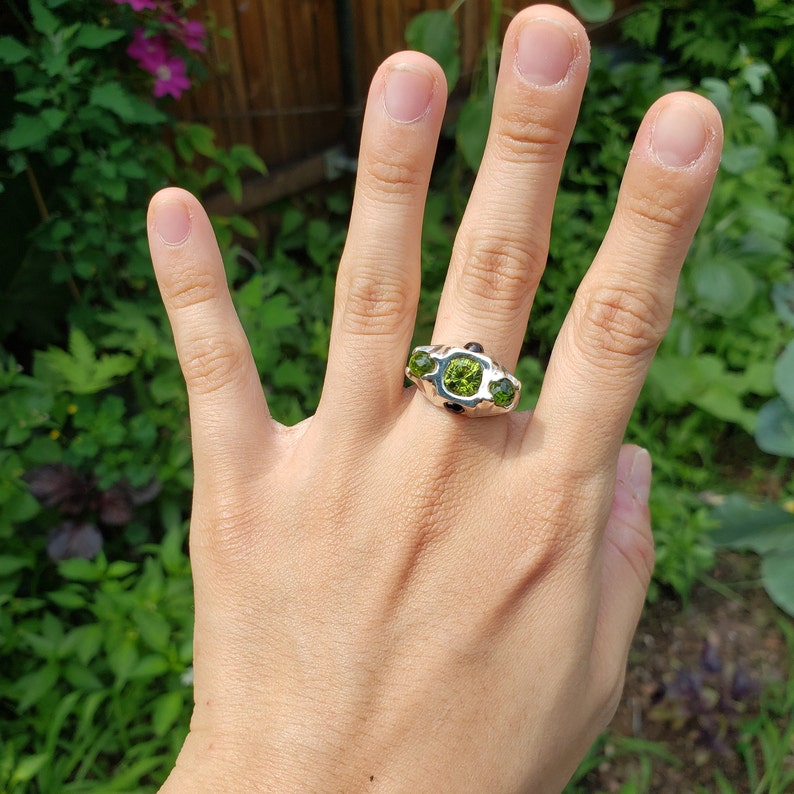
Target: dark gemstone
(475, 347)
(454, 408)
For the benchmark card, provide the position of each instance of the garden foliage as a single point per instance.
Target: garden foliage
(94, 450)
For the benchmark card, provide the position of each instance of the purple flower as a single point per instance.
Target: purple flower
(151, 52)
(139, 5)
(170, 78)
(193, 35)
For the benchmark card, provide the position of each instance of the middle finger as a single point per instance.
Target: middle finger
(501, 247)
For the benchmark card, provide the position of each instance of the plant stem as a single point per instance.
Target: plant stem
(492, 46)
(45, 216)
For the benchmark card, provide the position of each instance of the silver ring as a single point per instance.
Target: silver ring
(463, 379)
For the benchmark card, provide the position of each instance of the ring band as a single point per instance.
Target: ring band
(463, 380)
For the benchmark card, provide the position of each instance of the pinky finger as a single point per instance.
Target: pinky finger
(228, 414)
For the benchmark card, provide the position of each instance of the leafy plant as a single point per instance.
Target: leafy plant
(767, 740)
(83, 133)
(767, 530)
(96, 669)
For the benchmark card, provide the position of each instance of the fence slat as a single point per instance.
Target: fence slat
(275, 82)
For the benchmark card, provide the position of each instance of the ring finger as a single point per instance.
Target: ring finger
(501, 247)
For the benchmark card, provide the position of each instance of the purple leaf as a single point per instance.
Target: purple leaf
(710, 657)
(115, 505)
(58, 485)
(72, 539)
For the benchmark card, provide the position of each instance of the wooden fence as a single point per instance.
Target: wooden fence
(276, 79)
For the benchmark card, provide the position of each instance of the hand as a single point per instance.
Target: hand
(390, 597)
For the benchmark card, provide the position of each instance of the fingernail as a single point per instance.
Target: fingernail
(172, 221)
(679, 134)
(639, 475)
(633, 483)
(408, 92)
(544, 52)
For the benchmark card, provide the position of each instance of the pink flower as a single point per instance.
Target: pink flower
(193, 35)
(170, 78)
(151, 52)
(139, 5)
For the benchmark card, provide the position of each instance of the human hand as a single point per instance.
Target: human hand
(390, 597)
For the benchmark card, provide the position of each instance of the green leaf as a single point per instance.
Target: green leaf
(67, 599)
(776, 571)
(195, 138)
(436, 34)
(53, 118)
(80, 369)
(719, 92)
(774, 432)
(748, 526)
(146, 113)
(112, 97)
(82, 678)
(166, 711)
(151, 666)
(35, 685)
(784, 375)
(43, 21)
(243, 226)
(94, 37)
(81, 570)
(763, 116)
(26, 132)
(593, 10)
(474, 123)
(738, 159)
(783, 300)
(12, 51)
(10, 564)
(723, 286)
(35, 96)
(29, 767)
(122, 659)
(245, 156)
(754, 74)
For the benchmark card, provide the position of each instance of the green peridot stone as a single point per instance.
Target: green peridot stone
(503, 392)
(420, 364)
(463, 376)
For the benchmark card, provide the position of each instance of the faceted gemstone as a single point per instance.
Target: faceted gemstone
(420, 364)
(503, 392)
(463, 376)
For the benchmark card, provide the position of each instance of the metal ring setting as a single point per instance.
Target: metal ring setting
(463, 380)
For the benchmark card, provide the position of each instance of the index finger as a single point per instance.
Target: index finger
(623, 306)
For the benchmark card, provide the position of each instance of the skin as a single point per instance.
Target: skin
(390, 597)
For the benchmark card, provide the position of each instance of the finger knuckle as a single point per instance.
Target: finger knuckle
(538, 140)
(188, 287)
(388, 175)
(373, 306)
(502, 272)
(621, 324)
(661, 211)
(211, 363)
